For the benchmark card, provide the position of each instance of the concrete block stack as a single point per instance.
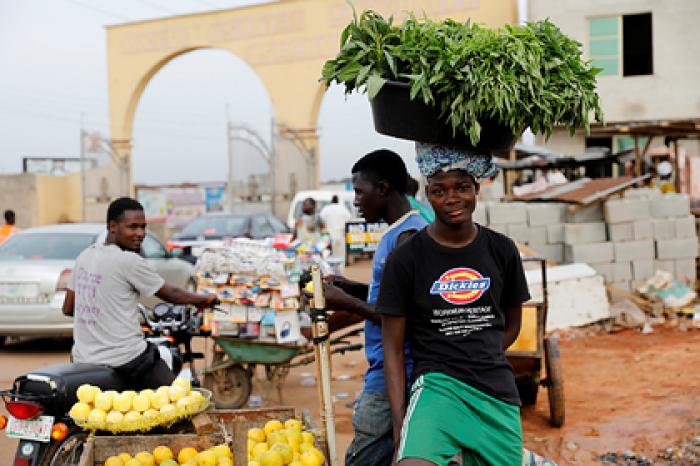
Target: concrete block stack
(625, 239)
(651, 231)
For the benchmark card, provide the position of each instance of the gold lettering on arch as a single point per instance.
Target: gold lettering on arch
(257, 26)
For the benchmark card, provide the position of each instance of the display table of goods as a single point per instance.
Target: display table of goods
(257, 283)
(131, 411)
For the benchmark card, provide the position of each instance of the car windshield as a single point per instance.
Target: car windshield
(220, 225)
(45, 246)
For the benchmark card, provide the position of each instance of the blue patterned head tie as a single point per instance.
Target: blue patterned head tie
(432, 158)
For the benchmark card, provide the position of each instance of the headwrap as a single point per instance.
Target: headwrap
(432, 158)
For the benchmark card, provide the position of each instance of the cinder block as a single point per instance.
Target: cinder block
(507, 212)
(626, 210)
(622, 285)
(582, 233)
(555, 234)
(592, 213)
(669, 205)
(685, 269)
(479, 215)
(663, 229)
(501, 228)
(642, 229)
(553, 252)
(666, 265)
(537, 235)
(642, 193)
(589, 253)
(605, 269)
(677, 248)
(621, 271)
(685, 227)
(642, 269)
(545, 214)
(634, 250)
(620, 231)
(518, 231)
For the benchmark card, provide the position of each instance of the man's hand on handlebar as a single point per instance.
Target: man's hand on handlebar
(211, 301)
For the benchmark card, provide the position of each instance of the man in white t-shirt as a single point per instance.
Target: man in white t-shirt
(107, 281)
(335, 215)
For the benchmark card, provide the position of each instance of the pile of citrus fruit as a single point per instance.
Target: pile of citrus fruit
(130, 411)
(279, 444)
(219, 455)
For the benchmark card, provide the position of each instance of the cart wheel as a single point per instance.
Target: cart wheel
(555, 381)
(230, 387)
(527, 388)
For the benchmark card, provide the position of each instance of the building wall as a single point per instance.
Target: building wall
(672, 91)
(19, 193)
(58, 199)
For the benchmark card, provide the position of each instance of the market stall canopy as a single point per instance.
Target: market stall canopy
(673, 129)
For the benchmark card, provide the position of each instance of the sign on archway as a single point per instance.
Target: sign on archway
(286, 44)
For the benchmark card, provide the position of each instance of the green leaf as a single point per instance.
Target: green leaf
(374, 85)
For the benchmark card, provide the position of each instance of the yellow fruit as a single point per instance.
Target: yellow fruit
(132, 416)
(308, 437)
(182, 382)
(162, 453)
(130, 393)
(256, 434)
(175, 393)
(159, 399)
(284, 450)
(86, 393)
(103, 401)
(186, 454)
(309, 458)
(253, 463)
(223, 461)
(294, 439)
(188, 404)
(150, 413)
(114, 418)
(222, 451)
(197, 395)
(192, 462)
(169, 463)
(276, 437)
(147, 392)
(133, 462)
(309, 288)
(251, 445)
(259, 449)
(206, 458)
(141, 403)
(296, 463)
(122, 402)
(163, 389)
(304, 446)
(124, 456)
(97, 417)
(146, 458)
(114, 461)
(271, 458)
(273, 426)
(80, 411)
(293, 424)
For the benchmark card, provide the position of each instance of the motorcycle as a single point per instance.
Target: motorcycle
(39, 401)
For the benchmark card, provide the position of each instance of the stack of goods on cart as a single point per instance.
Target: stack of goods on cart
(257, 283)
(131, 411)
(278, 443)
(162, 455)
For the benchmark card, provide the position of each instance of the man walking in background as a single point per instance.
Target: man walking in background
(335, 215)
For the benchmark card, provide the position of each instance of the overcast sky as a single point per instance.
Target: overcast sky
(53, 75)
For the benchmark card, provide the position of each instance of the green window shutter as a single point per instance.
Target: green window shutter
(627, 142)
(604, 41)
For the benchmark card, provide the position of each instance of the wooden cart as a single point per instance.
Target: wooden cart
(534, 348)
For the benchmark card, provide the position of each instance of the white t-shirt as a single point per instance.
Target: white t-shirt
(335, 216)
(107, 282)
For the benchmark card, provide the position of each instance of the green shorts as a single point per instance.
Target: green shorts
(446, 416)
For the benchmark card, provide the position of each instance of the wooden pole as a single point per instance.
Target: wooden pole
(637, 158)
(676, 169)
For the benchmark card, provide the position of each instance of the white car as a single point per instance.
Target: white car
(35, 268)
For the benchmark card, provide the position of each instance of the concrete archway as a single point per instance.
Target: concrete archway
(285, 43)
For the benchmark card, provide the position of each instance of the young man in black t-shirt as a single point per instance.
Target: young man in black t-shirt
(456, 290)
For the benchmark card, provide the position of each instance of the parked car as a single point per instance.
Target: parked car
(211, 229)
(35, 269)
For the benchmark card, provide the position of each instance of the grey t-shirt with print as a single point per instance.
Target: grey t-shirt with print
(107, 283)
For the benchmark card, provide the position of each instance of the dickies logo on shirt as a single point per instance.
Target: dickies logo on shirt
(460, 285)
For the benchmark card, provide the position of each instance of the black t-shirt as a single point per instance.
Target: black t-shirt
(454, 300)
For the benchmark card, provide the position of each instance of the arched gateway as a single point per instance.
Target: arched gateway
(286, 44)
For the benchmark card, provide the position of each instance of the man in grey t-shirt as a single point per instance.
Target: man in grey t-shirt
(107, 281)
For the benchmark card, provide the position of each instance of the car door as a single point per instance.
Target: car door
(174, 271)
(260, 227)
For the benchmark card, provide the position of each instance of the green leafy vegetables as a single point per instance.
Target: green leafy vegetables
(519, 76)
